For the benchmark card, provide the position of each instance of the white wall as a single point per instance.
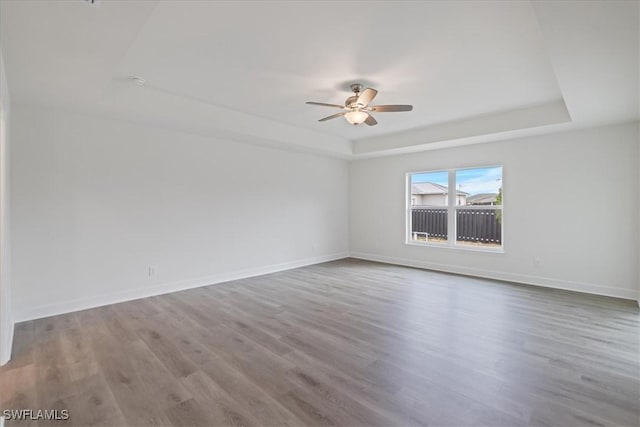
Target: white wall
(96, 202)
(6, 322)
(554, 187)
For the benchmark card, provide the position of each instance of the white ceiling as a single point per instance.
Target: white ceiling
(244, 69)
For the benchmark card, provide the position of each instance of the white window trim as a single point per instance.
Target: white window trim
(452, 209)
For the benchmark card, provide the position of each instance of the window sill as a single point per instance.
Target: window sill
(498, 251)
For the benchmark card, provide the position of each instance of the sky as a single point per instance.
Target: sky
(472, 181)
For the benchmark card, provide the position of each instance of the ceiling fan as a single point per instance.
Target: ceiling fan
(357, 108)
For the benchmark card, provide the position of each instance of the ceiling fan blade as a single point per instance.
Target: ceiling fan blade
(366, 96)
(371, 121)
(324, 104)
(390, 108)
(333, 116)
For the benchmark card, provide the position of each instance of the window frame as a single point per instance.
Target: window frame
(452, 211)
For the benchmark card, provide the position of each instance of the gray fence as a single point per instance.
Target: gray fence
(473, 224)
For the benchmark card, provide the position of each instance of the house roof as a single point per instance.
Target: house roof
(482, 198)
(432, 188)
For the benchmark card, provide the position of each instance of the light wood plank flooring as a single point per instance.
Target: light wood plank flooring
(345, 343)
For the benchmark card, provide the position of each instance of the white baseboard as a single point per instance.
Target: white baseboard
(113, 298)
(149, 291)
(547, 282)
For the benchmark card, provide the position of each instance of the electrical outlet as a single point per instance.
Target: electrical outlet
(152, 270)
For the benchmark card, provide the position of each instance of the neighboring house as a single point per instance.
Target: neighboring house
(432, 194)
(488, 199)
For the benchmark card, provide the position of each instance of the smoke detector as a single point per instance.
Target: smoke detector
(138, 80)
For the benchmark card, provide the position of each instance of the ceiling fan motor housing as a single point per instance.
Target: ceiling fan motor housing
(350, 102)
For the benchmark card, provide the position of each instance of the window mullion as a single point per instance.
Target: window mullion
(452, 197)
(409, 205)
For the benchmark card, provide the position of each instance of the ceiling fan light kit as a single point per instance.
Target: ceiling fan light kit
(358, 109)
(356, 116)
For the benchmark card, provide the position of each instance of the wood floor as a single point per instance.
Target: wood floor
(346, 343)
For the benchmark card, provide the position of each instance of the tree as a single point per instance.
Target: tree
(499, 203)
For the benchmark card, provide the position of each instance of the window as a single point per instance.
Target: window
(471, 216)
